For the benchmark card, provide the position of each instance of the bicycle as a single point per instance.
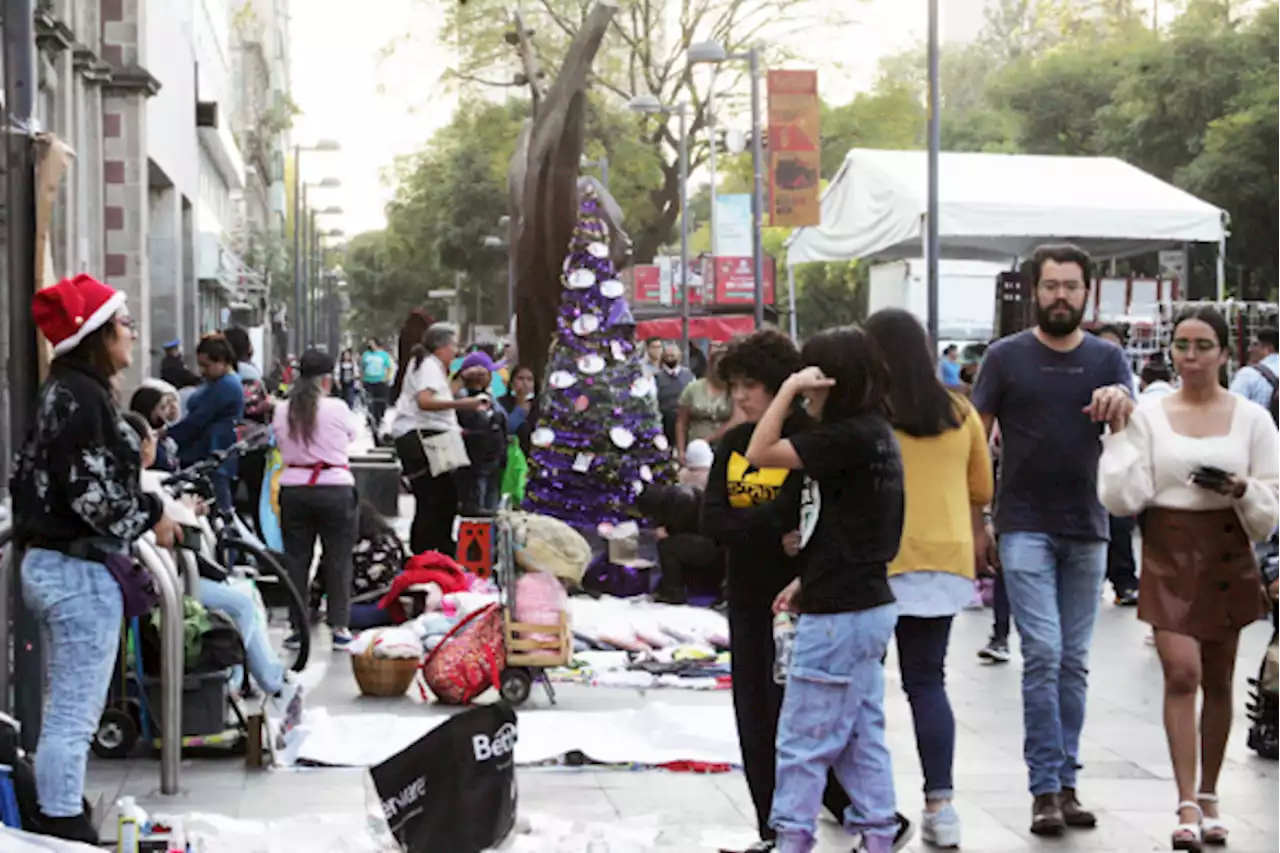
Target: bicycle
(228, 539)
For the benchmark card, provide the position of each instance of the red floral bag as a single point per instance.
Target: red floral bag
(468, 660)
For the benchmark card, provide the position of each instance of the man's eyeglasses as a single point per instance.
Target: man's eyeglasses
(1071, 288)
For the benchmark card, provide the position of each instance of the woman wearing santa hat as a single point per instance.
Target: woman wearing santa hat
(78, 505)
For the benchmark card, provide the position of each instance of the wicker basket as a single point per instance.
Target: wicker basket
(383, 676)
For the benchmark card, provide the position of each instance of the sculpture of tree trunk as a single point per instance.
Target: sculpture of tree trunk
(543, 188)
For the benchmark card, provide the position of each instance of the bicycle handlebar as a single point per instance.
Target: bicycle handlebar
(199, 471)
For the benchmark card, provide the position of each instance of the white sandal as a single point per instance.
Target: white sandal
(1213, 830)
(1188, 836)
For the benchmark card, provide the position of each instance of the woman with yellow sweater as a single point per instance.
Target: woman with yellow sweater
(947, 475)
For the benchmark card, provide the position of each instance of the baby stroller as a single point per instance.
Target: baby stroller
(1264, 699)
(212, 715)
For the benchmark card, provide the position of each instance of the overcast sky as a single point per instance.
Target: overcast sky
(379, 108)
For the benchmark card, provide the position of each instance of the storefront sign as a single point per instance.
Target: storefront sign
(669, 281)
(735, 283)
(795, 155)
(645, 284)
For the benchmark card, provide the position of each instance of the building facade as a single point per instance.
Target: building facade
(172, 108)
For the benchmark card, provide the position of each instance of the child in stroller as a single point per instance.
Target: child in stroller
(284, 696)
(378, 557)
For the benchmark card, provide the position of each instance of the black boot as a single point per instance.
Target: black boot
(78, 828)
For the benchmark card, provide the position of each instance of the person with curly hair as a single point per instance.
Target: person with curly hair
(753, 513)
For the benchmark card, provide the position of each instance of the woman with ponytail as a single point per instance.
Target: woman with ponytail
(317, 490)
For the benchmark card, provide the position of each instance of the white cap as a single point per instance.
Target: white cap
(698, 454)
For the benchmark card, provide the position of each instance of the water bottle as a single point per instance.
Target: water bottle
(784, 639)
(128, 828)
(597, 843)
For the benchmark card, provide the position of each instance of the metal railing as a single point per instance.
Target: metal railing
(171, 648)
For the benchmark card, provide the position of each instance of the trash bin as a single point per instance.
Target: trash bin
(377, 477)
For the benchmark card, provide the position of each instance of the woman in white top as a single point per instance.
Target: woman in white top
(426, 407)
(1200, 464)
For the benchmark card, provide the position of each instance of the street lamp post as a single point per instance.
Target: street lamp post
(315, 276)
(299, 204)
(714, 53)
(651, 105)
(931, 208)
(602, 163)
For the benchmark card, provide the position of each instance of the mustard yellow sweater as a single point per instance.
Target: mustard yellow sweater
(945, 476)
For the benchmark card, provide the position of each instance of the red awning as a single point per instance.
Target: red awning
(718, 328)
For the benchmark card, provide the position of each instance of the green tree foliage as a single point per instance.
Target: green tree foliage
(1194, 103)
(643, 53)
(449, 197)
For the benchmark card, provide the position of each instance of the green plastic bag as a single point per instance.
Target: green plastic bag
(516, 475)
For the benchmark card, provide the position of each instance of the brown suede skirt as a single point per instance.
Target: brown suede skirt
(1199, 574)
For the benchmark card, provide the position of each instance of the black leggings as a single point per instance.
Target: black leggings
(435, 505)
(757, 703)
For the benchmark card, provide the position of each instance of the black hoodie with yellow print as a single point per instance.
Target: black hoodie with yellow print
(748, 510)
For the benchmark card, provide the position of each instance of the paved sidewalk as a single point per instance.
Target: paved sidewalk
(1126, 776)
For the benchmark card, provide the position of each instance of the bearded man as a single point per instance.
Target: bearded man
(1053, 389)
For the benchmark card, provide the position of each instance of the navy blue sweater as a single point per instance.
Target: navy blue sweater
(210, 423)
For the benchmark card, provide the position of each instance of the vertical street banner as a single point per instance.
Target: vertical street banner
(795, 151)
(732, 237)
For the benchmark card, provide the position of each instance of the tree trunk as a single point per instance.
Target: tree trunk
(543, 184)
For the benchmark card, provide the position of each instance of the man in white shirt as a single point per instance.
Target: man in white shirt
(1258, 381)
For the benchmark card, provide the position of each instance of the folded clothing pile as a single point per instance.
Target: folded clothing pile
(397, 642)
(637, 625)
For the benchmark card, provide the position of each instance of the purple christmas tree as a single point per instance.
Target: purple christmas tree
(598, 441)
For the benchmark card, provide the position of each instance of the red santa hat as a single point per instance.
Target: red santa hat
(74, 308)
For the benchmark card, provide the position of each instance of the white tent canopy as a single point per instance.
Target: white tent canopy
(999, 207)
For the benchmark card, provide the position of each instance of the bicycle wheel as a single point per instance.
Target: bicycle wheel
(271, 572)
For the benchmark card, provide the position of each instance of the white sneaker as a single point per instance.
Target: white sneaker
(941, 828)
(285, 708)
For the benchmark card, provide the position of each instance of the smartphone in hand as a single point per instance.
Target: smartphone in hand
(1209, 477)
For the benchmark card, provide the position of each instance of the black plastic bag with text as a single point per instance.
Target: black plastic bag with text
(453, 790)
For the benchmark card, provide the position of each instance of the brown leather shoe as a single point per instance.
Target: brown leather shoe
(1073, 813)
(1046, 816)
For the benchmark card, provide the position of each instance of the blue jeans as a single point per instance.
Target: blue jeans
(222, 489)
(79, 607)
(1054, 586)
(833, 718)
(922, 656)
(263, 664)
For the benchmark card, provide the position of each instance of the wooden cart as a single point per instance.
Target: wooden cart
(530, 648)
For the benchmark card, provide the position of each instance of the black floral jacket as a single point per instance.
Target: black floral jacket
(77, 475)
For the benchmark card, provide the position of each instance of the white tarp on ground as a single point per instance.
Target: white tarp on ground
(998, 207)
(347, 833)
(657, 733)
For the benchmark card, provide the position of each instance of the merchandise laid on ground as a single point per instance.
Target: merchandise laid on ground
(604, 760)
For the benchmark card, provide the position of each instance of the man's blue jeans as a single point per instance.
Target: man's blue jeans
(79, 607)
(1055, 587)
(263, 664)
(833, 718)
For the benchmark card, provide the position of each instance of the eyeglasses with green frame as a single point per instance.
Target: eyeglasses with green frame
(1204, 346)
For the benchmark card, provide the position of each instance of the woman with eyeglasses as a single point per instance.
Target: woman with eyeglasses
(78, 506)
(1201, 465)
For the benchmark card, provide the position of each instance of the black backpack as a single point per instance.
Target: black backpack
(1275, 390)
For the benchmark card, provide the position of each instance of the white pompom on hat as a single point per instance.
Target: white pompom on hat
(74, 308)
